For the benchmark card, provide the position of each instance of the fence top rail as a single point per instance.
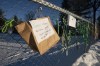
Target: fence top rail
(50, 5)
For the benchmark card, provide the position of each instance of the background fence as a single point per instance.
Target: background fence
(15, 52)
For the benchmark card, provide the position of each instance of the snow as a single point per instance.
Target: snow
(91, 58)
(15, 52)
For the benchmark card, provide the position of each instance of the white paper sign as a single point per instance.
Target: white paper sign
(41, 29)
(72, 21)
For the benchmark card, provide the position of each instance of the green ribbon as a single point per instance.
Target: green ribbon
(7, 25)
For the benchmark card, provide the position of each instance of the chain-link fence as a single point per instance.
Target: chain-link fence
(15, 51)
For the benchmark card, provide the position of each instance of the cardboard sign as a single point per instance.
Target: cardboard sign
(71, 21)
(42, 29)
(39, 35)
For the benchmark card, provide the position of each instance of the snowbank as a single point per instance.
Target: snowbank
(91, 58)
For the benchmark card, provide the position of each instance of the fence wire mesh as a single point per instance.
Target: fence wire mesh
(15, 51)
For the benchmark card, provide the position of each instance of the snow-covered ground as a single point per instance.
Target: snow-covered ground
(91, 58)
(15, 52)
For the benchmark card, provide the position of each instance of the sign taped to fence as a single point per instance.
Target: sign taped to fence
(39, 34)
(71, 21)
(41, 29)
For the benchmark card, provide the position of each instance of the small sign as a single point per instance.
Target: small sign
(42, 29)
(71, 21)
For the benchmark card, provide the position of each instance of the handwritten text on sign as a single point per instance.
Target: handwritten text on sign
(41, 29)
